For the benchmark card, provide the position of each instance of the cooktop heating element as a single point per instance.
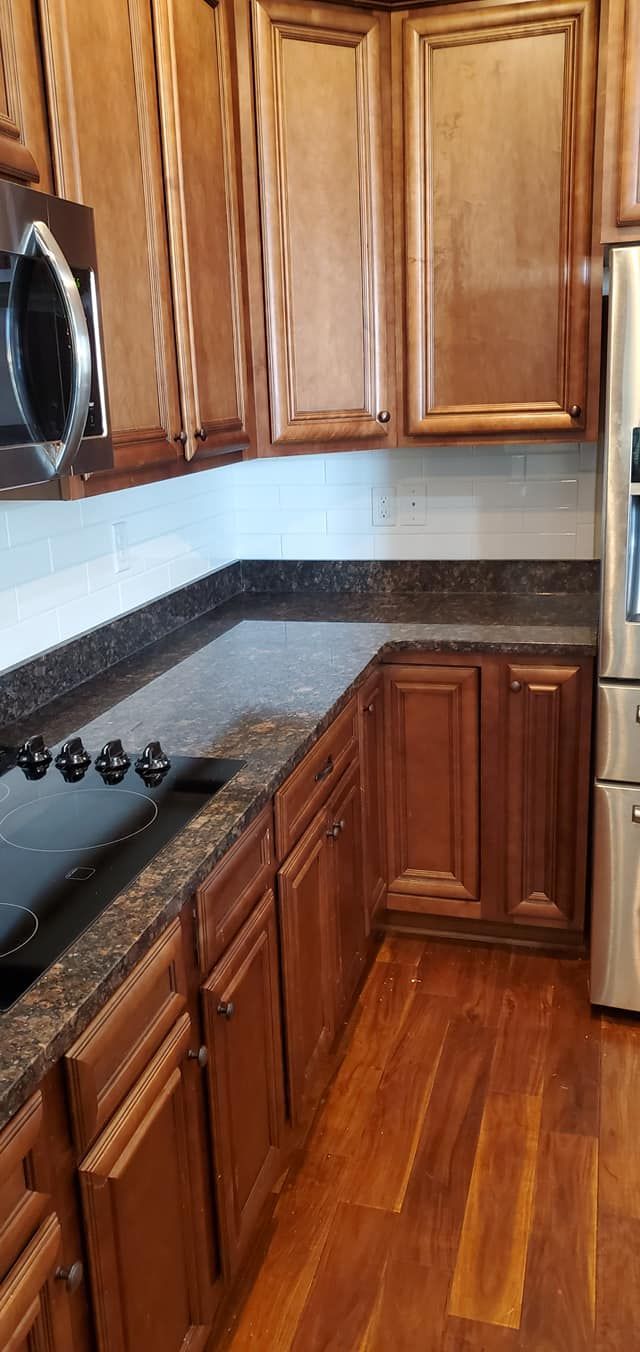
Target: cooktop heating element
(76, 832)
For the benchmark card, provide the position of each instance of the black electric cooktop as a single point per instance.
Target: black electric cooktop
(74, 833)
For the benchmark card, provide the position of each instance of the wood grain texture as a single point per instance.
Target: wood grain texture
(523, 1028)
(488, 1279)
(24, 133)
(571, 1094)
(344, 1293)
(618, 128)
(619, 1191)
(618, 1282)
(471, 975)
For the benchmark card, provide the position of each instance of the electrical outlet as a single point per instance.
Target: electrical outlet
(412, 504)
(383, 506)
(121, 552)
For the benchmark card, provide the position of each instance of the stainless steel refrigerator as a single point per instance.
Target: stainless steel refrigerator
(615, 930)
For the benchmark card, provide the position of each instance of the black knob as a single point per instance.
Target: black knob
(201, 434)
(226, 1009)
(71, 1276)
(384, 416)
(575, 411)
(153, 758)
(182, 438)
(34, 757)
(113, 760)
(201, 1056)
(73, 758)
(516, 687)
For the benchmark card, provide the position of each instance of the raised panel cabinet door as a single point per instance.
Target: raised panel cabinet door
(101, 75)
(371, 720)
(34, 1313)
(547, 731)
(307, 940)
(24, 137)
(144, 1210)
(321, 129)
(344, 833)
(246, 1076)
(433, 773)
(498, 114)
(620, 57)
(196, 76)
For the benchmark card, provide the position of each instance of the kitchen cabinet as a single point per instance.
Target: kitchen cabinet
(24, 134)
(545, 728)
(195, 62)
(324, 166)
(620, 125)
(308, 947)
(33, 1306)
(344, 836)
(497, 110)
(371, 737)
(243, 1032)
(433, 788)
(148, 1213)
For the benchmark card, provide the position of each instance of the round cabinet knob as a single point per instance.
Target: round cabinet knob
(384, 416)
(335, 829)
(226, 1009)
(71, 1276)
(516, 686)
(181, 437)
(370, 709)
(575, 411)
(201, 434)
(201, 1056)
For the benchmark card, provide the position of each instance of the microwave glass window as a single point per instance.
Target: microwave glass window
(35, 378)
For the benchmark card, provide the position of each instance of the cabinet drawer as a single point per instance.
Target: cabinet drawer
(233, 889)
(22, 1205)
(314, 779)
(29, 1315)
(104, 1063)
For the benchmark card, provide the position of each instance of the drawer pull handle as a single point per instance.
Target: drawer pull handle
(326, 770)
(71, 1276)
(226, 1009)
(516, 687)
(201, 1056)
(635, 815)
(335, 829)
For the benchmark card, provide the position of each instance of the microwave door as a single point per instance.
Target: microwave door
(49, 356)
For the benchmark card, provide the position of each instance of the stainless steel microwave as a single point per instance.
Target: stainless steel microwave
(54, 416)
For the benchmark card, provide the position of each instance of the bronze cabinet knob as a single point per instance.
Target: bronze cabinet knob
(384, 416)
(71, 1276)
(226, 1009)
(370, 709)
(182, 438)
(516, 686)
(335, 829)
(201, 434)
(201, 1056)
(575, 411)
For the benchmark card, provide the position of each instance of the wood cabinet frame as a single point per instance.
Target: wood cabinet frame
(618, 147)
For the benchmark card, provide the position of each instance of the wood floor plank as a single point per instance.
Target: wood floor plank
(619, 1189)
(385, 999)
(343, 1296)
(304, 1214)
(465, 1335)
(618, 1284)
(410, 1312)
(523, 1027)
(436, 1195)
(379, 1169)
(560, 1284)
(571, 1093)
(471, 975)
(488, 1279)
(400, 948)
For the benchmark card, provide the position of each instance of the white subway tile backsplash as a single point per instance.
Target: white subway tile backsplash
(58, 573)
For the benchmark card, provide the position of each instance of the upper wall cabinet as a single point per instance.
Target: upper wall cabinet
(620, 59)
(201, 148)
(107, 153)
(498, 139)
(322, 123)
(24, 139)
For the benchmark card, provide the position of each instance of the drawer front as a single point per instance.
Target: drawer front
(314, 779)
(104, 1063)
(33, 1308)
(618, 733)
(234, 888)
(22, 1203)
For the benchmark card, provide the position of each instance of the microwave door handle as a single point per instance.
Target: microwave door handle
(80, 346)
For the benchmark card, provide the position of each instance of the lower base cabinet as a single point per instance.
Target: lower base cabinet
(33, 1311)
(241, 1002)
(344, 837)
(148, 1212)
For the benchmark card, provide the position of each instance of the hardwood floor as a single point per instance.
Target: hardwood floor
(472, 1182)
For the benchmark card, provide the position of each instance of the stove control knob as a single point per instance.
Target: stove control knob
(153, 760)
(113, 757)
(73, 757)
(34, 757)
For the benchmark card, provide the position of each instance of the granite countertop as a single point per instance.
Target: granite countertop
(260, 678)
